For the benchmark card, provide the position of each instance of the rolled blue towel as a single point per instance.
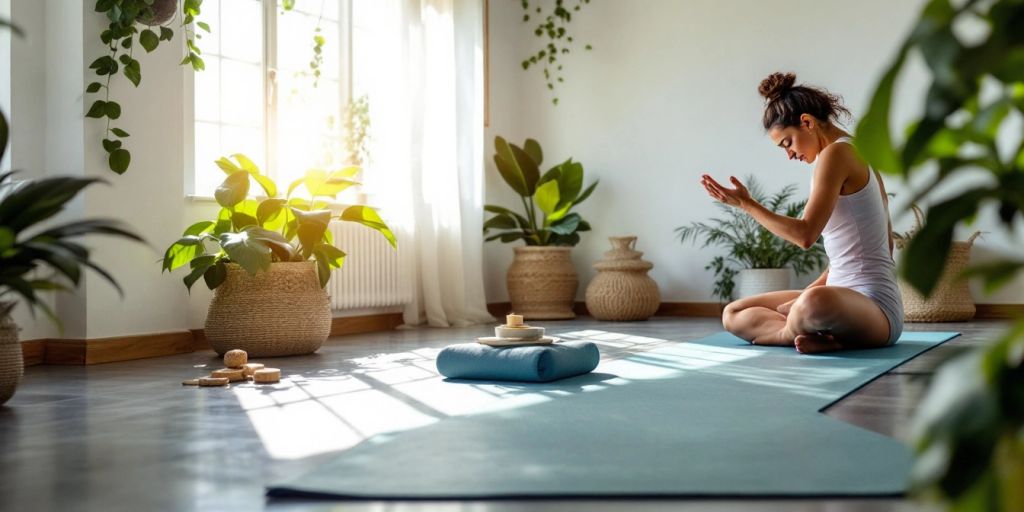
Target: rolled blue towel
(532, 363)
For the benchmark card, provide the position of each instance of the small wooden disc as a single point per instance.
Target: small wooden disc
(213, 381)
(249, 368)
(232, 374)
(266, 376)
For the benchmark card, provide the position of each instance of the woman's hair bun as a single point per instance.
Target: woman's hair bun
(776, 85)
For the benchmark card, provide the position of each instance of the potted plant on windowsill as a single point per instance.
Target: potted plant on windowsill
(271, 261)
(35, 258)
(541, 281)
(765, 260)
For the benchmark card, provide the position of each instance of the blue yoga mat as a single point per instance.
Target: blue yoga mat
(710, 418)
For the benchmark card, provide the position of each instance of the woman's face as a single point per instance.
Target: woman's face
(799, 142)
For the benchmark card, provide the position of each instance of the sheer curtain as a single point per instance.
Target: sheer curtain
(427, 115)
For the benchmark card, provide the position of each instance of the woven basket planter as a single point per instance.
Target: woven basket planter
(12, 367)
(281, 312)
(622, 290)
(951, 299)
(542, 283)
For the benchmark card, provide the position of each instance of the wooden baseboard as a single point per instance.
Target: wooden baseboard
(998, 311)
(33, 352)
(346, 325)
(121, 348)
(126, 348)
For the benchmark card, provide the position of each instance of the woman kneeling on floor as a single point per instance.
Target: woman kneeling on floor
(856, 302)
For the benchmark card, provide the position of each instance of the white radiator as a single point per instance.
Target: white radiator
(372, 275)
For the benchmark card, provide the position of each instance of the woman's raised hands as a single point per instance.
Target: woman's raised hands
(731, 196)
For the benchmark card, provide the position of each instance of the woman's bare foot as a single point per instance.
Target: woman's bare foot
(816, 343)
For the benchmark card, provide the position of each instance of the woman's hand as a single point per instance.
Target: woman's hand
(785, 307)
(738, 196)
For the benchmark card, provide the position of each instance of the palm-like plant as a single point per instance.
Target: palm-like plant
(750, 245)
(34, 258)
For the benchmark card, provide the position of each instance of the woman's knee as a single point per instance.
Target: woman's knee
(816, 304)
(729, 315)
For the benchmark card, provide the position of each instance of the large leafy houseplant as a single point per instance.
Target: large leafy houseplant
(147, 22)
(969, 432)
(750, 245)
(554, 193)
(254, 233)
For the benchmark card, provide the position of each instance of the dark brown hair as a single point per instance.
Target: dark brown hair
(786, 102)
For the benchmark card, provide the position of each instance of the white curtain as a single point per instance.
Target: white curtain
(428, 123)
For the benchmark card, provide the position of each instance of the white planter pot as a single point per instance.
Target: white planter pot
(754, 281)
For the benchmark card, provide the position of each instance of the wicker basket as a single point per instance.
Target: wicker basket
(622, 290)
(281, 312)
(542, 283)
(951, 299)
(12, 367)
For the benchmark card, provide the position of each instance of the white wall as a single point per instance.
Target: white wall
(670, 92)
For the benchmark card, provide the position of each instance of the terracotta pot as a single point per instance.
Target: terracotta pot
(622, 290)
(281, 312)
(12, 367)
(542, 283)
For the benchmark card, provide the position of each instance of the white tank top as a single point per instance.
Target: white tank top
(857, 238)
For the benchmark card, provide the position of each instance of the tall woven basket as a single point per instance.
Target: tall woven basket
(951, 299)
(542, 283)
(281, 312)
(11, 365)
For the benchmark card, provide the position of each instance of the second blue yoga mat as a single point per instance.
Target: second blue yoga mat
(712, 417)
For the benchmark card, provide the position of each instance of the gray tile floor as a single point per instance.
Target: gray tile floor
(128, 436)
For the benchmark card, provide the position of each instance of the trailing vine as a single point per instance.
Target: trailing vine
(553, 26)
(125, 17)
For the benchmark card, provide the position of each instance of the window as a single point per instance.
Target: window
(259, 95)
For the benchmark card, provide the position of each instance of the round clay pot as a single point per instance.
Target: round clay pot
(755, 281)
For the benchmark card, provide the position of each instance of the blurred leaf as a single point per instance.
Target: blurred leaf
(251, 254)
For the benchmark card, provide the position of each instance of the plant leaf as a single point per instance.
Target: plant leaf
(368, 217)
(233, 189)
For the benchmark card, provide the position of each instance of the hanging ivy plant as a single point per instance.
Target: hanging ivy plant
(318, 41)
(126, 17)
(553, 28)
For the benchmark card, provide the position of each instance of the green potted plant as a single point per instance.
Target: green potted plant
(35, 258)
(763, 259)
(968, 432)
(269, 258)
(542, 281)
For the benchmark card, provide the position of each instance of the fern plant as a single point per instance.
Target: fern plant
(750, 245)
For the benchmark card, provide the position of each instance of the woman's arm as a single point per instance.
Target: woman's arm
(833, 168)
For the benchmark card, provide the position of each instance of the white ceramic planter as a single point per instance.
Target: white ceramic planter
(754, 281)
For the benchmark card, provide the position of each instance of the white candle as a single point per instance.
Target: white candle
(513, 320)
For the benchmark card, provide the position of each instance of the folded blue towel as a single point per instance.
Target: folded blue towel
(533, 363)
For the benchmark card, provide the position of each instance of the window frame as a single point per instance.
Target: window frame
(270, 92)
